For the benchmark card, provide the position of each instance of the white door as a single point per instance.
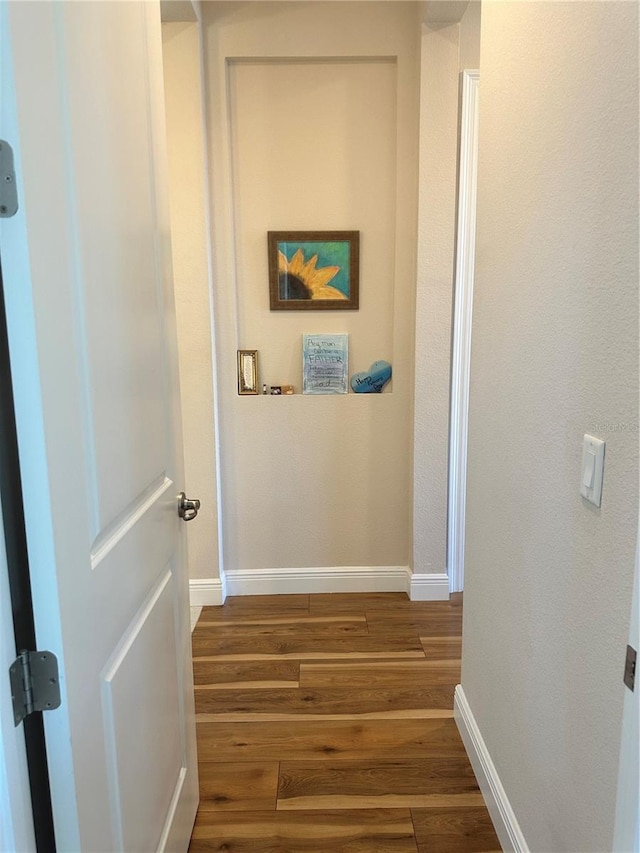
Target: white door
(87, 273)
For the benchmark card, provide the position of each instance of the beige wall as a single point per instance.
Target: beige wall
(554, 355)
(187, 182)
(313, 123)
(470, 36)
(314, 147)
(353, 166)
(446, 49)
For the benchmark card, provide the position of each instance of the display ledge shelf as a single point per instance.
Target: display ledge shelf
(314, 396)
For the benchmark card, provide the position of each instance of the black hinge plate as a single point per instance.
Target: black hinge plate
(8, 191)
(630, 668)
(34, 684)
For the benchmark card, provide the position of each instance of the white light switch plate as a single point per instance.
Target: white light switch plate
(592, 469)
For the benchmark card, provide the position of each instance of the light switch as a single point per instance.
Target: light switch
(588, 469)
(592, 469)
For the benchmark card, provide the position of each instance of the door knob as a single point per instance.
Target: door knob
(187, 509)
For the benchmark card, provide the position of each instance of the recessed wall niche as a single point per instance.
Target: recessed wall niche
(313, 147)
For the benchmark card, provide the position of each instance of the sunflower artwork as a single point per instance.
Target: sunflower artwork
(314, 270)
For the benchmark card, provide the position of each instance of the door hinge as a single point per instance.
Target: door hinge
(630, 668)
(8, 190)
(34, 684)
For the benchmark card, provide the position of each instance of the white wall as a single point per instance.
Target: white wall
(313, 122)
(189, 222)
(554, 355)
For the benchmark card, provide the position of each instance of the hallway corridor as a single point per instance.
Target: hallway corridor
(325, 723)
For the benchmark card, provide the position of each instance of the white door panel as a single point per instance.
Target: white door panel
(91, 324)
(119, 326)
(132, 696)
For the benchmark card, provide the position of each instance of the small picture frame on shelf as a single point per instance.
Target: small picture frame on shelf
(247, 371)
(325, 364)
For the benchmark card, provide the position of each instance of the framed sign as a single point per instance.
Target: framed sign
(325, 363)
(314, 270)
(247, 371)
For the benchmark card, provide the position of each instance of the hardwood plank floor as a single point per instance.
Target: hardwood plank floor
(377, 784)
(325, 723)
(324, 703)
(395, 674)
(310, 626)
(243, 673)
(249, 786)
(454, 830)
(270, 647)
(305, 740)
(342, 831)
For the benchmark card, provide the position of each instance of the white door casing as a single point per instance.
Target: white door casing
(16, 824)
(87, 272)
(462, 316)
(626, 837)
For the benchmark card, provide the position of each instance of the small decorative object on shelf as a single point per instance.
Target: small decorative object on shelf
(265, 388)
(276, 390)
(247, 371)
(372, 381)
(287, 389)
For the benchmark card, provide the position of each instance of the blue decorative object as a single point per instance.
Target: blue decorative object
(372, 381)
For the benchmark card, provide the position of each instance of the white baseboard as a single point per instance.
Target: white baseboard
(498, 805)
(317, 579)
(338, 579)
(207, 592)
(424, 587)
(428, 587)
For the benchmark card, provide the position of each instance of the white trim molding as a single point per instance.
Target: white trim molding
(314, 579)
(424, 587)
(317, 579)
(207, 592)
(626, 835)
(498, 805)
(462, 315)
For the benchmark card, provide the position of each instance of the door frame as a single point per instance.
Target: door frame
(462, 318)
(627, 822)
(16, 817)
(31, 819)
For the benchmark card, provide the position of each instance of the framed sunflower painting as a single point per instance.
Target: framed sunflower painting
(314, 270)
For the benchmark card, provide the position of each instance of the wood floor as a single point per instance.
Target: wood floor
(325, 723)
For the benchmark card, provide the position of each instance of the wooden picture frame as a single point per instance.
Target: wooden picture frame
(247, 371)
(314, 270)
